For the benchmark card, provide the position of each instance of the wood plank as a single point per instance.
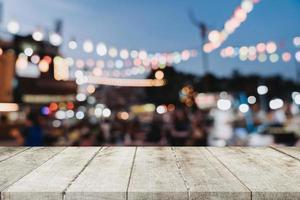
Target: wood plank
(8, 152)
(267, 173)
(292, 151)
(15, 168)
(155, 175)
(50, 180)
(207, 177)
(106, 177)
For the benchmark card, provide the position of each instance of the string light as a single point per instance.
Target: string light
(217, 38)
(256, 52)
(159, 75)
(72, 44)
(13, 27)
(113, 52)
(296, 41)
(297, 56)
(126, 82)
(8, 107)
(38, 35)
(88, 46)
(43, 66)
(55, 39)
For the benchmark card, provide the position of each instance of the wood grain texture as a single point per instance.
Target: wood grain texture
(207, 177)
(291, 151)
(18, 166)
(50, 180)
(267, 173)
(106, 177)
(155, 175)
(8, 152)
(94, 173)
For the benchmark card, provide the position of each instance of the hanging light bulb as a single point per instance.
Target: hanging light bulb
(72, 44)
(13, 27)
(55, 39)
(38, 35)
(88, 46)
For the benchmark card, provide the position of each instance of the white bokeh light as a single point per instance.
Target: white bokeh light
(262, 90)
(224, 104)
(244, 108)
(276, 104)
(13, 27)
(251, 99)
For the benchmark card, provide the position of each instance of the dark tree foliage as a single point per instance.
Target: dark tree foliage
(278, 87)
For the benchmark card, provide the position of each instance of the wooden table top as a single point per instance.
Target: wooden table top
(174, 173)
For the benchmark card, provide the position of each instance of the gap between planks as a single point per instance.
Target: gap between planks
(14, 154)
(132, 165)
(187, 186)
(83, 168)
(230, 171)
(283, 152)
(32, 169)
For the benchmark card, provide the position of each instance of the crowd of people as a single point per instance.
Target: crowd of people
(181, 127)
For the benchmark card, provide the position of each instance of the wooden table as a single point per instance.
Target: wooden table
(149, 173)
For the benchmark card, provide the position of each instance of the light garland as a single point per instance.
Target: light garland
(217, 38)
(126, 82)
(261, 51)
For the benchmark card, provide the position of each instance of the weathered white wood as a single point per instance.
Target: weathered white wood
(8, 152)
(269, 174)
(292, 151)
(18, 166)
(207, 178)
(50, 180)
(155, 175)
(106, 177)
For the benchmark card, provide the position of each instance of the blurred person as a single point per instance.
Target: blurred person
(136, 133)
(180, 128)
(222, 130)
(156, 128)
(33, 132)
(17, 136)
(3, 120)
(117, 132)
(105, 127)
(86, 137)
(279, 116)
(199, 133)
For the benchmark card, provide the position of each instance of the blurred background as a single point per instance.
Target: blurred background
(160, 72)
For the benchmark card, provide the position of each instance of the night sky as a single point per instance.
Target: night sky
(163, 25)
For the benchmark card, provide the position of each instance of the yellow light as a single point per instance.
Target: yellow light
(271, 47)
(214, 36)
(91, 89)
(123, 115)
(207, 48)
(126, 82)
(159, 75)
(113, 52)
(124, 54)
(61, 69)
(43, 66)
(22, 62)
(9, 107)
